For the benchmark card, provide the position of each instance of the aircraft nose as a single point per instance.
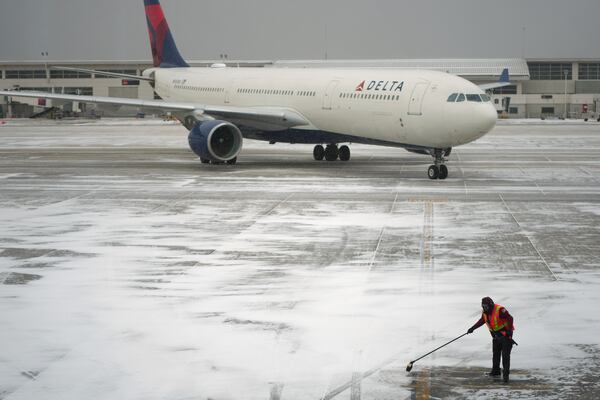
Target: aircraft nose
(485, 118)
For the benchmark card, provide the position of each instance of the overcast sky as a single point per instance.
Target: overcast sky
(304, 29)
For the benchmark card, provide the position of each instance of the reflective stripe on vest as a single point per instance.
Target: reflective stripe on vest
(492, 323)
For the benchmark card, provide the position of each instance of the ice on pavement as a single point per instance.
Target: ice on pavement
(161, 278)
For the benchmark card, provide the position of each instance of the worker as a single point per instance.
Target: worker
(500, 324)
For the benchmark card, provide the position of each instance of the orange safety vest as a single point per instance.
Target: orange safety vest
(493, 322)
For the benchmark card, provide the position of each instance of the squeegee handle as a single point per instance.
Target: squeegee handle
(444, 345)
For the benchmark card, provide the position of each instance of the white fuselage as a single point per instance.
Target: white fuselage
(398, 106)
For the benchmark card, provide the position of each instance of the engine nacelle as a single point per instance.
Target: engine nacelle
(217, 141)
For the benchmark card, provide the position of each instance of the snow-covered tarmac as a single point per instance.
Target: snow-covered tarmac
(129, 270)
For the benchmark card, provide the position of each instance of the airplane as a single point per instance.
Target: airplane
(422, 111)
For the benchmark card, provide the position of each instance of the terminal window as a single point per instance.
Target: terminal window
(547, 110)
(589, 71)
(116, 71)
(510, 89)
(80, 91)
(26, 74)
(550, 71)
(58, 74)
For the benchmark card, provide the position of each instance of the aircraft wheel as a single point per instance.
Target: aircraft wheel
(443, 172)
(433, 172)
(344, 153)
(233, 161)
(318, 153)
(331, 152)
(204, 160)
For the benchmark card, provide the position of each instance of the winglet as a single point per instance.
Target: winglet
(164, 49)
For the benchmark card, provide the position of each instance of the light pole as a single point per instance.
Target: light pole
(566, 72)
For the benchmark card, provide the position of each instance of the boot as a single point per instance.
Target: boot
(494, 372)
(505, 376)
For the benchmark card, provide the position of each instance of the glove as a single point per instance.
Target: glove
(470, 330)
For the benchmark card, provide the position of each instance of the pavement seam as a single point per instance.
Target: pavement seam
(528, 238)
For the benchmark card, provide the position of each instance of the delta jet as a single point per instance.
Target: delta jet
(426, 112)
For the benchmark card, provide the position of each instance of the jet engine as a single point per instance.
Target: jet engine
(216, 141)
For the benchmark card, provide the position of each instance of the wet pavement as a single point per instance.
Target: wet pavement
(128, 269)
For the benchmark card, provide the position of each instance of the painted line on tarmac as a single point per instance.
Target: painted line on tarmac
(360, 377)
(422, 387)
(427, 240)
(381, 233)
(355, 388)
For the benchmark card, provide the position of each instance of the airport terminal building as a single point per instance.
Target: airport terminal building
(541, 87)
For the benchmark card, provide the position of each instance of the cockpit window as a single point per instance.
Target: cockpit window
(452, 97)
(461, 97)
(485, 98)
(474, 97)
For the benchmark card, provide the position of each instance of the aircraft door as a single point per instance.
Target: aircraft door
(329, 94)
(415, 105)
(229, 90)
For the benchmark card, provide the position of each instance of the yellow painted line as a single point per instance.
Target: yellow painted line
(422, 386)
(428, 200)
(427, 255)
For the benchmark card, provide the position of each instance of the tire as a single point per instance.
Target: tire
(331, 153)
(585, 120)
(204, 160)
(443, 172)
(233, 161)
(318, 153)
(344, 153)
(433, 172)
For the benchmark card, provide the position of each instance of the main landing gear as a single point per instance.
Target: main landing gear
(439, 170)
(331, 153)
(233, 161)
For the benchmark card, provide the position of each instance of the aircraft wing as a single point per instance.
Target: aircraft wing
(504, 81)
(253, 116)
(104, 73)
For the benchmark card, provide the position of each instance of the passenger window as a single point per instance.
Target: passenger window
(474, 98)
(452, 97)
(461, 97)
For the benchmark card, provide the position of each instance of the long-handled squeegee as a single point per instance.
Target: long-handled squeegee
(410, 364)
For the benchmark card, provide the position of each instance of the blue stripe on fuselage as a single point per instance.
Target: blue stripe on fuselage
(306, 136)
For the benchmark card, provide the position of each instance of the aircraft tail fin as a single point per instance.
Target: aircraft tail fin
(504, 81)
(164, 49)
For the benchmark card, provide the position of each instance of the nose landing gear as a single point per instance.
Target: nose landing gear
(439, 169)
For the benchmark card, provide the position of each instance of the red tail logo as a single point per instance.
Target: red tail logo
(157, 28)
(360, 87)
(164, 50)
